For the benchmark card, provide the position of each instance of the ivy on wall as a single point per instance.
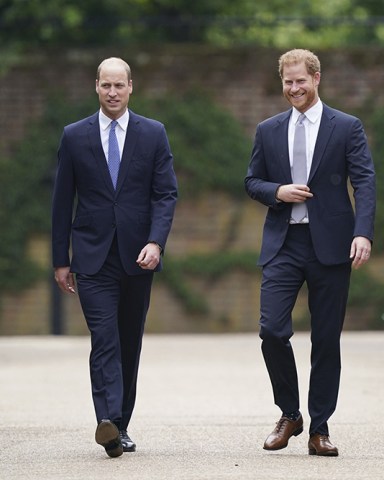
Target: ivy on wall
(26, 181)
(208, 266)
(208, 144)
(210, 151)
(376, 122)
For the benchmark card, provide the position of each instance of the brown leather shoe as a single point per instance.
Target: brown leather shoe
(284, 430)
(321, 445)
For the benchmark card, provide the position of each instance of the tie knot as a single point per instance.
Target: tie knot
(301, 119)
(113, 124)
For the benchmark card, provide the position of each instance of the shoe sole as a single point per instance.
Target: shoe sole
(107, 435)
(294, 434)
(312, 451)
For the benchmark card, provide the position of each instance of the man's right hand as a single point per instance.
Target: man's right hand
(293, 193)
(65, 279)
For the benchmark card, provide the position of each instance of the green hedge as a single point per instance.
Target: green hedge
(208, 145)
(211, 152)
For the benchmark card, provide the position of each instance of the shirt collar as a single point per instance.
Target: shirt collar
(105, 121)
(313, 114)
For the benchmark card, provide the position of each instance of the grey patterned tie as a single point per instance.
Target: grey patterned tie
(113, 154)
(299, 167)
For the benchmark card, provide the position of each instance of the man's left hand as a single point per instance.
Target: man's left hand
(149, 257)
(360, 251)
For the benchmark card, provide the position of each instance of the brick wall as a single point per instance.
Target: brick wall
(244, 81)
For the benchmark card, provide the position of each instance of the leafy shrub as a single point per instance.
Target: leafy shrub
(208, 144)
(206, 141)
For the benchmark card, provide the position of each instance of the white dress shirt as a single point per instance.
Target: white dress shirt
(121, 131)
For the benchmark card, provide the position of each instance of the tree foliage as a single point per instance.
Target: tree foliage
(277, 23)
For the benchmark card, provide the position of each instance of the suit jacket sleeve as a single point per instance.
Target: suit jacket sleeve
(62, 206)
(362, 177)
(259, 183)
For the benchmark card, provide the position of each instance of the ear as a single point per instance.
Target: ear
(316, 78)
(97, 86)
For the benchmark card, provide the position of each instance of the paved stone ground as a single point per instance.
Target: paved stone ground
(203, 412)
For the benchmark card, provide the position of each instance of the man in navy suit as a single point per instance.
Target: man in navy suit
(318, 247)
(117, 236)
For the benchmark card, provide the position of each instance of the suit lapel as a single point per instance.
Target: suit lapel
(280, 136)
(325, 131)
(131, 137)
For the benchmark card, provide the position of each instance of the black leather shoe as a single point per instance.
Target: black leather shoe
(283, 431)
(128, 444)
(108, 436)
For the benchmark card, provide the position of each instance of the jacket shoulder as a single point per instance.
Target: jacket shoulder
(338, 114)
(275, 119)
(79, 124)
(144, 121)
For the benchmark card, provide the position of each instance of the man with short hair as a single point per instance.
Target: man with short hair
(301, 162)
(119, 167)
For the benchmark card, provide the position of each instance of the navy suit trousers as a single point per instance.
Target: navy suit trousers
(328, 286)
(115, 306)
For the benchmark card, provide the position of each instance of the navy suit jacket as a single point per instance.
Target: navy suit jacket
(140, 210)
(341, 153)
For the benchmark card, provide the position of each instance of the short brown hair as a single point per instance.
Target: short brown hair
(298, 55)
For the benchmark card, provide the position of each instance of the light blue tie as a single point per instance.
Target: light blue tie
(299, 167)
(113, 154)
